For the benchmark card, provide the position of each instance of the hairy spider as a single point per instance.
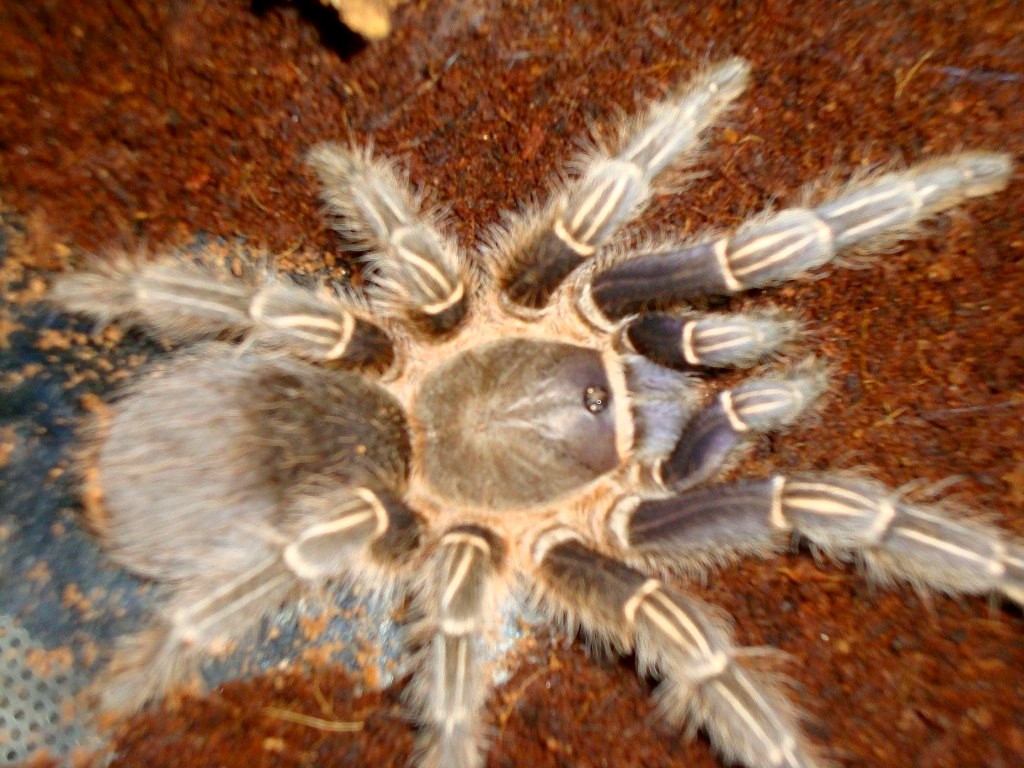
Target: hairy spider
(520, 426)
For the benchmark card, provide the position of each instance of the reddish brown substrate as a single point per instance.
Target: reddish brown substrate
(124, 122)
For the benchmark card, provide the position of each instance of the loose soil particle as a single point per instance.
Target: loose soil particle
(145, 122)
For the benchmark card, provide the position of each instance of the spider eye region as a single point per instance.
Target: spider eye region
(516, 423)
(596, 399)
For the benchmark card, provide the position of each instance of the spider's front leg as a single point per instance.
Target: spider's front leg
(613, 187)
(694, 341)
(771, 249)
(681, 639)
(845, 517)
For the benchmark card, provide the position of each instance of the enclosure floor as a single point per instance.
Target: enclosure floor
(151, 122)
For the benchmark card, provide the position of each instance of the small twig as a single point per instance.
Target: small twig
(335, 726)
(971, 409)
(517, 694)
(901, 82)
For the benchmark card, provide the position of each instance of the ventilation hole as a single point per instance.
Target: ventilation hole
(31, 704)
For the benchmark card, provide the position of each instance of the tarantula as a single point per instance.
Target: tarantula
(522, 426)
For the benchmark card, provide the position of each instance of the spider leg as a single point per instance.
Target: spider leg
(461, 596)
(415, 271)
(203, 616)
(177, 300)
(712, 436)
(681, 639)
(771, 249)
(698, 341)
(839, 515)
(351, 528)
(347, 530)
(612, 189)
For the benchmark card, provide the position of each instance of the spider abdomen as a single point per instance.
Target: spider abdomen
(217, 445)
(517, 423)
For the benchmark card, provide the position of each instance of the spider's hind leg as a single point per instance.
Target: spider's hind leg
(538, 254)
(339, 532)
(178, 300)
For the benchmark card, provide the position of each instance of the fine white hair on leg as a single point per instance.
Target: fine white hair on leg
(681, 639)
(178, 300)
(344, 533)
(711, 438)
(842, 516)
(317, 325)
(461, 595)
(922, 544)
(171, 297)
(415, 271)
(694, 341)
(203, 618)
(613, 185)
(773, 248)
(350, 530)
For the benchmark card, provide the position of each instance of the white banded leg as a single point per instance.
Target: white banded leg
(452, 686)
(364, 529)
(342, 531)
(754, 407)
(611, 189)
(178, 300)
(841, 516)
(318, 326)
(681, 639)
(205, 615)
(687, 342)
(775, 248)
(415, 270)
